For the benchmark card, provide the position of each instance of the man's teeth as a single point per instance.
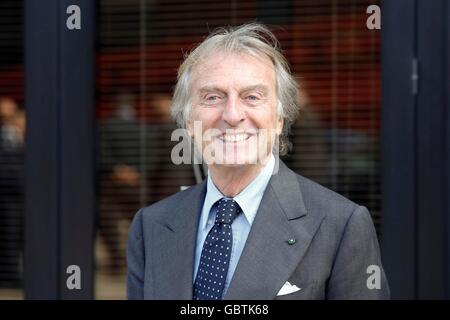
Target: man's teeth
(234, 137)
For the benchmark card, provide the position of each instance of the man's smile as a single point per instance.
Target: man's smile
(234, 137)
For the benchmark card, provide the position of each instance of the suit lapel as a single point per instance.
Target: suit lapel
(268, 259)
(173, 246)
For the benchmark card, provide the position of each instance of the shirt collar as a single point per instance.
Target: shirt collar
(248, 199)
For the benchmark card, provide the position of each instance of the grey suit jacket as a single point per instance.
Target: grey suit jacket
(335, 245)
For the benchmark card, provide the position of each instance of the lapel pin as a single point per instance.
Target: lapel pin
(291, 241)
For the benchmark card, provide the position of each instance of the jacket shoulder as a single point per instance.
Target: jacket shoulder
(159, 208)
(320, 198)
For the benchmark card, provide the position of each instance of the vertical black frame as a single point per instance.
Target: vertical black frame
(447, 160)
(398, 147)
(60, 188)
(432, 143)
(416, 148)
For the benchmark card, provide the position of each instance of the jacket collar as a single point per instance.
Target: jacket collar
(267, 259)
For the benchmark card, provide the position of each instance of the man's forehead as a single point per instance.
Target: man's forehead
(243, 70)
(216, 59)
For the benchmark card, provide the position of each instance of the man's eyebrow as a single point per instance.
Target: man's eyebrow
(258, 87)
(211, 89)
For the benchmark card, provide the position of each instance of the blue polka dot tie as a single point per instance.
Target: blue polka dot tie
(215, 258)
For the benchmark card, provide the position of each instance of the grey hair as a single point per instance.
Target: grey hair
(253, 39)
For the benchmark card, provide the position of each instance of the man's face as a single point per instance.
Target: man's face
(234, 99)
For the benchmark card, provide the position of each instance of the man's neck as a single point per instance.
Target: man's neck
(231, 180)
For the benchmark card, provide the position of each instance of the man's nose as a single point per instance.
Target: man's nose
(233, 112)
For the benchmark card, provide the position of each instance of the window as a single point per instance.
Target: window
(140, 45)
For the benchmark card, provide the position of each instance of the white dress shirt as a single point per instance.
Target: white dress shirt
(249, 200)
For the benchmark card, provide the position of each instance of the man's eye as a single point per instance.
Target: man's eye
(212, 98)
(252, 98)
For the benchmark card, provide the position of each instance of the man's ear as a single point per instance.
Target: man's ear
(279, 125)
(190, 129)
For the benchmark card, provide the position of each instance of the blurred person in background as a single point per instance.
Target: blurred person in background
(135, 163)
(119, 175)
(12, 133)
(164, 177)
(309, 153)
(12, 121)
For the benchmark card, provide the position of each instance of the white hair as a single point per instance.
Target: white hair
(254, 39)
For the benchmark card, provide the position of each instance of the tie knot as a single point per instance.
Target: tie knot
(227, 211)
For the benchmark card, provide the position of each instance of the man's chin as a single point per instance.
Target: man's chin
(235, 163)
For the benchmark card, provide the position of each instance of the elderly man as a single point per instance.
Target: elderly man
(253, 229)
